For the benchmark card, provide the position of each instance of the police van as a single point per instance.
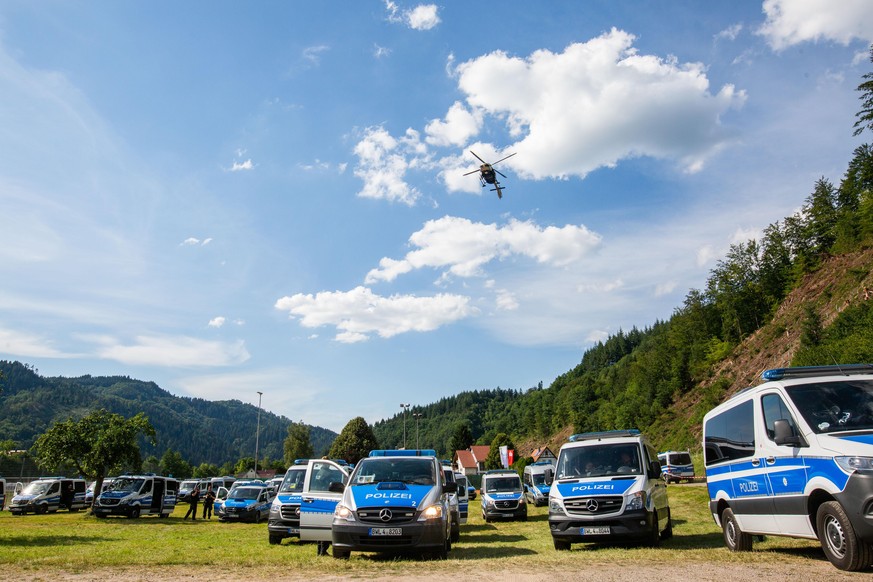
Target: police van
(676, 466)
(463, 496)
(395, 501)
(794, 457)
(135, 495)
(49, 494)
(608, 488)
(502, 496)
(537, 479)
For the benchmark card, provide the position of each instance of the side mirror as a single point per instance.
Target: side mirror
(450, 488)
(549, 476)
(655, 469)
(336, 487)
(784, 434)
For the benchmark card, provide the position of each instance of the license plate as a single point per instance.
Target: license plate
(594, 531)
(386, 531)
(293, 530)
(231, 516)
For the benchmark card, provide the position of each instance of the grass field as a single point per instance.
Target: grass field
(39, 547)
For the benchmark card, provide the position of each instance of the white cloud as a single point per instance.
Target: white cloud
(506, 300)
(459, 126)
(730, 33)
(242, 166)
(312, 54)
(463, 247)
(601, 287)
(596, 103)
(173, 351)
(195, 242)
(382, 164)
(217, 321)
(380, 51)
(791, 22)
(422, 17)
(26, 345)
(360, 312)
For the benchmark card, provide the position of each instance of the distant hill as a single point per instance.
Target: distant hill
(202, 431)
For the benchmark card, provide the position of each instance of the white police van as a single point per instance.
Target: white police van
(676, 466)
(49, 494)
(794, 457)
(395, 501)
(537, 479)
(136, 495)
(454, 502)
(463, 496)
(502, 496)
(608, 488)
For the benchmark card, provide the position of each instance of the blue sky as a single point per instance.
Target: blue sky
(227, 198)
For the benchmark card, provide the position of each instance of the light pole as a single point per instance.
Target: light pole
(258, 433)
(416, 416)
(405, 407)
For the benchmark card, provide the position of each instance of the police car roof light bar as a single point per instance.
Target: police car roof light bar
(585, 436)
(403, 453)
(813, 371)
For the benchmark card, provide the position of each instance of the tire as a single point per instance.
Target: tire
(258, 517)
(41, 509)
(340, 554)
(839, 540)
(134, 513)
(655, 535)
(100, 515)
(275, 539)
(668, 531)
(735, 539)
(561, 545)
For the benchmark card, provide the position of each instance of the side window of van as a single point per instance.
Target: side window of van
(730, 435)
(774, 409)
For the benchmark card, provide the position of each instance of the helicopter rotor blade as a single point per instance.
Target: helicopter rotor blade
(501, 173)
(501, 159)
(473, 172)
(477, 157)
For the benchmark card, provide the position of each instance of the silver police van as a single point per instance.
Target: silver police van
(794, 457)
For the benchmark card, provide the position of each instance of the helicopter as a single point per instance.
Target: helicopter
(488, 175)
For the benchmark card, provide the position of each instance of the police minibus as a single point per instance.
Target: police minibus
(49, 494)
(537, 479)
(395, 501)
(676, 466)
(136, 495)
(608, 488)
(502, 496)
(794, 457)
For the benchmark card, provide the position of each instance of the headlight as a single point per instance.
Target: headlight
(344, 513)
(555, 505)
(636, 501)
(521, 500)
(852, 464)
(432, 512)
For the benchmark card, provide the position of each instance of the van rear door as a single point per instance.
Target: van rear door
(319, 503)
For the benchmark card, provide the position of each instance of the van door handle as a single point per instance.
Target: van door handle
(756, 462)
(308, 499)
(770, 460)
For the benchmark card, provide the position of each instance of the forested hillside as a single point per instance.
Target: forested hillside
(200, 430)
(797, 296)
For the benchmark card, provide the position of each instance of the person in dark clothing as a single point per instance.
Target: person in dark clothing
(208, 502)
(192, 510)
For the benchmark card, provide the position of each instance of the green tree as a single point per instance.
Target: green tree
(492, 461)
(95, 444)
(462, 437)
(151, 464)
(297, 444)
(205, 470)
(354, 442)
(173, 465)
(865, 116)
(244, 464)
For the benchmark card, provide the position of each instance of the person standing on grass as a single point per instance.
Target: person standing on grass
(192, 510)
(208, 501)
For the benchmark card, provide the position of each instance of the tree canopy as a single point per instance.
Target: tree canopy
(354, 442)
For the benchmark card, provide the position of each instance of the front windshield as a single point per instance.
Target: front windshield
(538, 478)
(245, 492)
(506, 484)
(126, 484)
(415, 471)
(835, 406)
(293, 481)
(602, 460)
(189, 484)
(36, 488)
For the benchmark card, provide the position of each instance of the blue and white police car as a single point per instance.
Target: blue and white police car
(537, 478)
(395, 501)
(502, 496)
(135, 495)
(245, 502)
(48, 494)
(793, 456)
(608, 488)
(676, 466)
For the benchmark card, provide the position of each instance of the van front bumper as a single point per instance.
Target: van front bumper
(857, 501)
(413, 536)
(631, 525)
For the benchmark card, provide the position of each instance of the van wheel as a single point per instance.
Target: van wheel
(100, 515)
(735, 539)
(561, 545)
(341, 554)
(668, 531)
(134, 513)
(655, 534)
(838, 539)
(276, 539)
